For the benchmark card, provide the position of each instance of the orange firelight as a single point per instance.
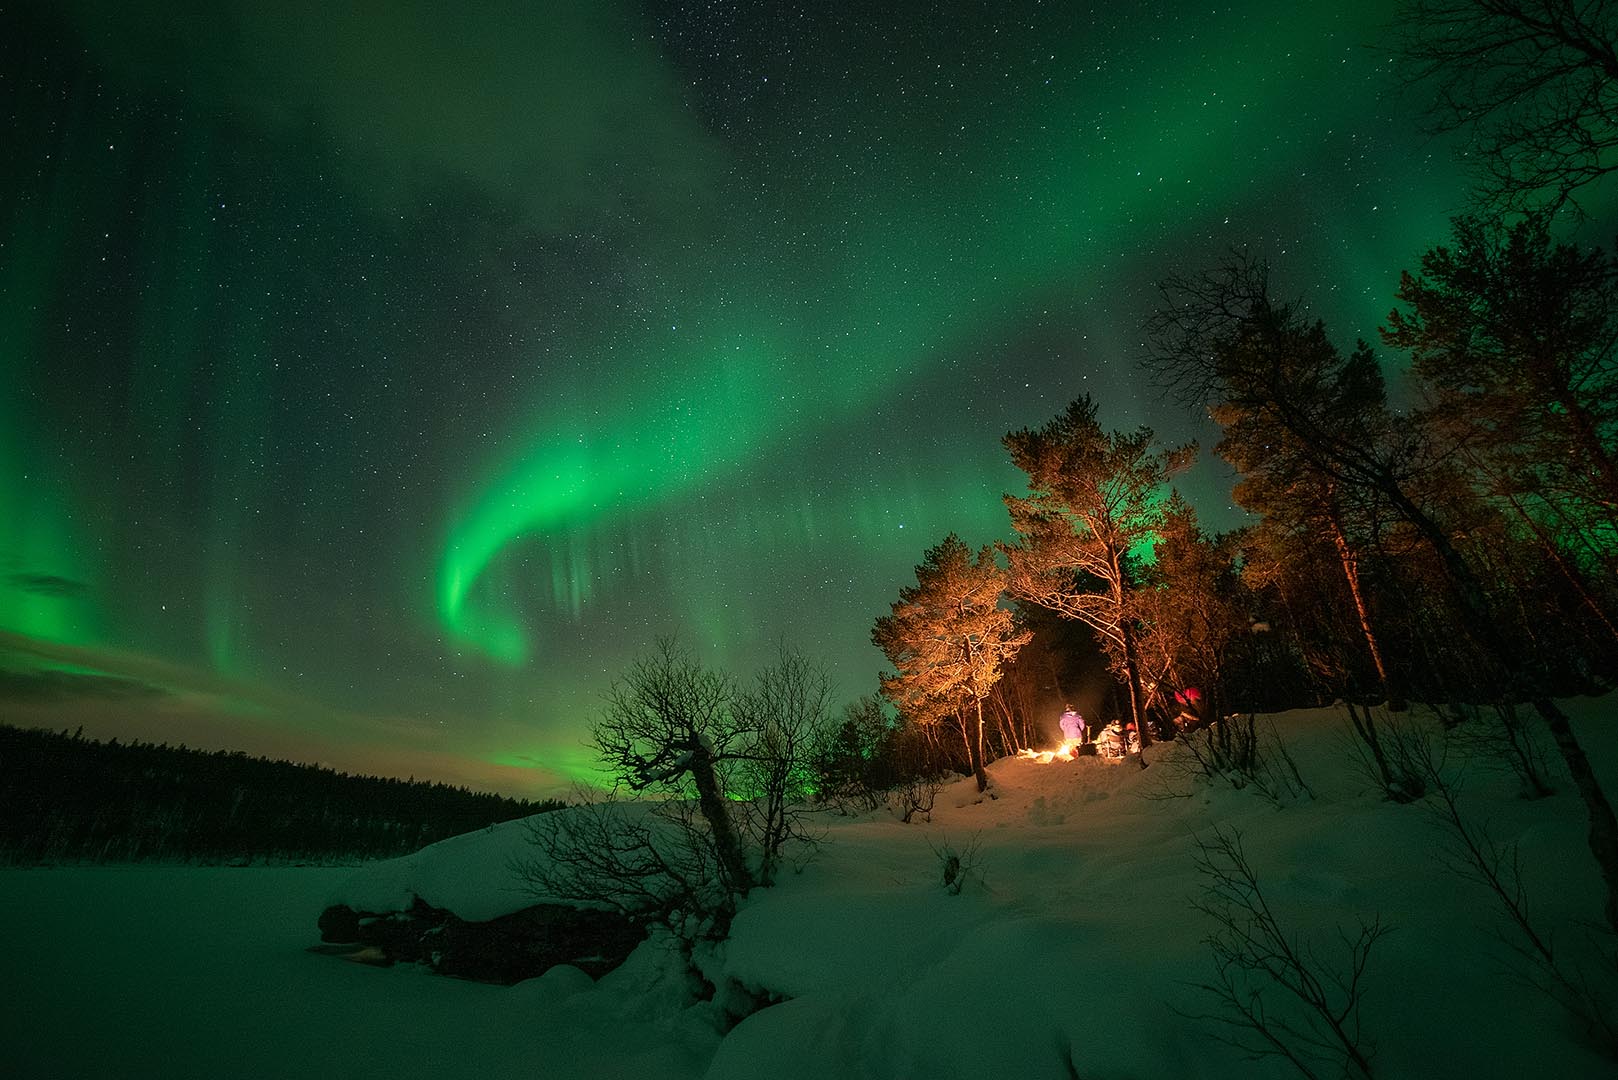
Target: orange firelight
(1065, 752)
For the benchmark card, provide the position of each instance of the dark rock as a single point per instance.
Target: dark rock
(504, 950)
(531, 941)
(339, 924)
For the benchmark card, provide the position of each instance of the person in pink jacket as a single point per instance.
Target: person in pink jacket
(1072, 726)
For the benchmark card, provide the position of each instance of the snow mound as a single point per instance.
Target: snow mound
(470, 875)
(475, 875)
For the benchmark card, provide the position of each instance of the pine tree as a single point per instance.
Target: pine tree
(1195, 608)
(1222, 338)
(1517, 338)
(1283, 477)
(948, 639)
(1093, 498)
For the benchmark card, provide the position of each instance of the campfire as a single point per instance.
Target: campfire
(1064, 752)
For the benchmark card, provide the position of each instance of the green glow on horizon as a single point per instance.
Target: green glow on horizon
(573, 764)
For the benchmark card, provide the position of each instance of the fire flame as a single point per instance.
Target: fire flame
(1061, 753)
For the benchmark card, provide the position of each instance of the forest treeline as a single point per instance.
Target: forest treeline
(1459, 548)
(1455, 544)
(66, 798)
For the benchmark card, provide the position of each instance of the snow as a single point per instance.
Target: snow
(1072, 948)
(204, 972)
(465, 874)
(471, 875)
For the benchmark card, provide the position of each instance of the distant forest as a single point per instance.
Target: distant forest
(65, 798)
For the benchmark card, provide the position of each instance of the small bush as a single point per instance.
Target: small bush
(1236, 751)
(1277, 997)
(956, 866)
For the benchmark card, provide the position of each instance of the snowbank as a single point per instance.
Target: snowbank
(1075, 950)
(474, 875)
(470, 875)
(1074, 946)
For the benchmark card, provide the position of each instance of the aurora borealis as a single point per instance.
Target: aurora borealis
(376, 380)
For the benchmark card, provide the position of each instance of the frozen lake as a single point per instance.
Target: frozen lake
(191, 972)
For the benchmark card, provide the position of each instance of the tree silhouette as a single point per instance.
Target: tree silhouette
(1223, 336)
(1534, 82)
(1195, 608)
(1518, 336)
(667, 725)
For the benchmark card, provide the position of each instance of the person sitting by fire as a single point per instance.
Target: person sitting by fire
(1190, 702)
(1117, 740)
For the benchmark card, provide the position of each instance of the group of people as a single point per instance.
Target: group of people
(1076, 731)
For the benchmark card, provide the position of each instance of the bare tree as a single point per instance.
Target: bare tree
(667, 724)
(1475, 855)
(1534, 83)
(1235, 750)
(783, 717)
(647, 860)
(727, 771)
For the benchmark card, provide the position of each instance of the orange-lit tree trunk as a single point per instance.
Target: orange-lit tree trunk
(1276, 379)
(1573, 577)
(1137, 698)
(978, 768)
(1351, 571)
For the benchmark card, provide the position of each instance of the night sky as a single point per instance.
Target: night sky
(377, 379)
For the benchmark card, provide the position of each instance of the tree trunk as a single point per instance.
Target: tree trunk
(1479, 612)
(1351, 571)
(1132, 676)
(1574, 578)
(1003, 719)
(711, 801)
(976, 749)
(1603, 835)
(1394, 787)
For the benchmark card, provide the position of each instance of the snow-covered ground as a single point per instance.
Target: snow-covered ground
(1071, 951)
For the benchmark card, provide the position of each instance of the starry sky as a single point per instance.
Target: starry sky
(378, 379)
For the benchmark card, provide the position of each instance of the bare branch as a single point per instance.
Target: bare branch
(1318, 1023)
(1533, 83)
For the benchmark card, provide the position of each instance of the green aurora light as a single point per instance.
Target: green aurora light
(379, 385)
(702, 401)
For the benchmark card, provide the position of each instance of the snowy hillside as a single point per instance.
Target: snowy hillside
(1074, 943)
(1071, 950)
